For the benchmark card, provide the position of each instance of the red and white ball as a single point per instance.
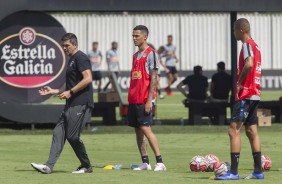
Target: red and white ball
(211, 160)
(198, 164)
(219, 168)
(266, 163)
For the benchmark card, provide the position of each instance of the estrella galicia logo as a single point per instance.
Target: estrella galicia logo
(30, 56)
(30, 59)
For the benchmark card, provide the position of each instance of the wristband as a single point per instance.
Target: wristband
(71, 92)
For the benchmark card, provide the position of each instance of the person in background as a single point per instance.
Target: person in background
(197, 86)
(170, 63)
(112, 62)
(96, 57)
(160, 52)
(221, 84)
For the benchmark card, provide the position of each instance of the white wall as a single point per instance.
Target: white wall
(205, 40)
(200, 38)
(75, 23)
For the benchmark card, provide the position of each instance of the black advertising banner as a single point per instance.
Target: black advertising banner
(270, 79)
(31, 56)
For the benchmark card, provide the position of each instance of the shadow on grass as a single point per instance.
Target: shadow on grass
(199, 177)
(32, 170)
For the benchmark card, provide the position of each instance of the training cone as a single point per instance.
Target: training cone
(108, 167)
(212, 178)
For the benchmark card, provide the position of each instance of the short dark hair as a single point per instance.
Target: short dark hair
(71, 37)
(142, 28)
(243, 24)
(169, 36)
(95, 43)
(197, 69)
(221, 65)
(161, 49)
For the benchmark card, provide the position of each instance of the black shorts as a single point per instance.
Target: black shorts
(245, 111)
(96, 75)
(137, 116)
(172, 69)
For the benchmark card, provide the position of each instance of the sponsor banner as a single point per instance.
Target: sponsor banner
(271, 79)
(31, 56)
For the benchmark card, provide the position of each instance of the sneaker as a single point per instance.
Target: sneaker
(171, 94)
(162, 96)
(254, 175)
(143, 166)
(82, 170)
(167, 90)
(44, 169)
(228, 176)
(160, 167)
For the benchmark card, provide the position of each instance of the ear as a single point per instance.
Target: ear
(145, 37)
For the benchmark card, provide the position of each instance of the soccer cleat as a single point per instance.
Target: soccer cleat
(228, 176)
(160, 167)
(82, 170)
(44, 169)
(143, 166)
(167, 90)
(254, 175)
(171, 94)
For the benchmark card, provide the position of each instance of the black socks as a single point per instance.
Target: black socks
(257, 162)
(159, 159)
(145, 159)
(234, 162)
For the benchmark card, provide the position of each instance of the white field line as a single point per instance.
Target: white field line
(180, 104)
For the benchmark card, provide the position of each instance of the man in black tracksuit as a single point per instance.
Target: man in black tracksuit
(77, 111)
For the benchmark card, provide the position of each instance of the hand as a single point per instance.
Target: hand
(166, 70)
(65, 95)
(238, 89)
(148, 107)
(46, 90)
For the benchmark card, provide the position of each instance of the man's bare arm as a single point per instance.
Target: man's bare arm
(180, 88)
(247, 68)
(153, 84)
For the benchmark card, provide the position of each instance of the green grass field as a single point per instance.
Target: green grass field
(117, 145)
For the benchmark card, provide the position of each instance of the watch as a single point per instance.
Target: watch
(71, 92)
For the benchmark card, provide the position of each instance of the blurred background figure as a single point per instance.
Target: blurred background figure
(95, 57)
(170, 63)
(197, 86)
(221, 84)
(160, 52)
(112, 61)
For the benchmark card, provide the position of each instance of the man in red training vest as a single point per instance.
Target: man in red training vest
(141, 94)
(247, 97)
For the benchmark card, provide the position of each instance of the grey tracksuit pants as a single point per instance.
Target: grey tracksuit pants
(70, 125)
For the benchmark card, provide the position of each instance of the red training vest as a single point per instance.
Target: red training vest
(139, 79)
(251, 83)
